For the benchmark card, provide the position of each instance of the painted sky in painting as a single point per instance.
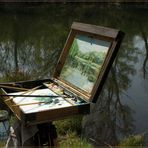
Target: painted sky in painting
(87, 44)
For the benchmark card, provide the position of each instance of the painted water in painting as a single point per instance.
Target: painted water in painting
(84, 62)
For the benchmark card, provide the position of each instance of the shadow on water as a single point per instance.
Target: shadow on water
(32, 37)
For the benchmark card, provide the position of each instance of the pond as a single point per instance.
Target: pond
(32, 38)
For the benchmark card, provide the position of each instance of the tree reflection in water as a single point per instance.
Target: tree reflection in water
(29, 44)
(111, 119)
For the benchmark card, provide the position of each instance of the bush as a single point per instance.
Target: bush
(71, 124)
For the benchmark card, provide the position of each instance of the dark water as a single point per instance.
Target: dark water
(31, 40)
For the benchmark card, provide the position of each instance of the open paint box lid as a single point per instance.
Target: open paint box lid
(87, 58)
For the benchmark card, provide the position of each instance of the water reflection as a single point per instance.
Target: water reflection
(117, 107)
(31, 39)
(114, 117)
(28, 44)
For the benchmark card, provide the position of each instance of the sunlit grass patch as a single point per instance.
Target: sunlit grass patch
(72, 140)
(67, 125)
(132, 140)
(2, 143)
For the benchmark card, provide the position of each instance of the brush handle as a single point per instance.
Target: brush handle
(29, 96)
(28, 91)
(25, 104)
(14, 88)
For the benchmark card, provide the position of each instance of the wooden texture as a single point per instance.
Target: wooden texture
(103, 33)
(64, 54)
(106, 34)
(18, 113)
(56, 114)
(106, 67)
(47, 115)
(74, 90)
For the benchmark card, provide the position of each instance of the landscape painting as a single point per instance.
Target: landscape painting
(84, 61)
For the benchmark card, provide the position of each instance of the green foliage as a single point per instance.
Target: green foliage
(74, 49)
(91, 78)
(133, 140)
(71, 140)
(15, 76)
(2, 143)
(69, 125)
(68, 133)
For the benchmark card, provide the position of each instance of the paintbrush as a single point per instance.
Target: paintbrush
(28, 91)
(15, 88)
(21, 95)
(25, 104)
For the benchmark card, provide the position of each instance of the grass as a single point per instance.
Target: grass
(72, 140)
(67, 125)
(69, 131)
(69, 135)
(132, 140)
(2, 143)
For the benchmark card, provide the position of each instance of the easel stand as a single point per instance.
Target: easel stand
(39, 135)
(46, 136)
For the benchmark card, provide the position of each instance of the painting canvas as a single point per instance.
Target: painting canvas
(84, 62)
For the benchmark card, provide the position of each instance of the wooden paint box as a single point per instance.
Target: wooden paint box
(77, 81)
